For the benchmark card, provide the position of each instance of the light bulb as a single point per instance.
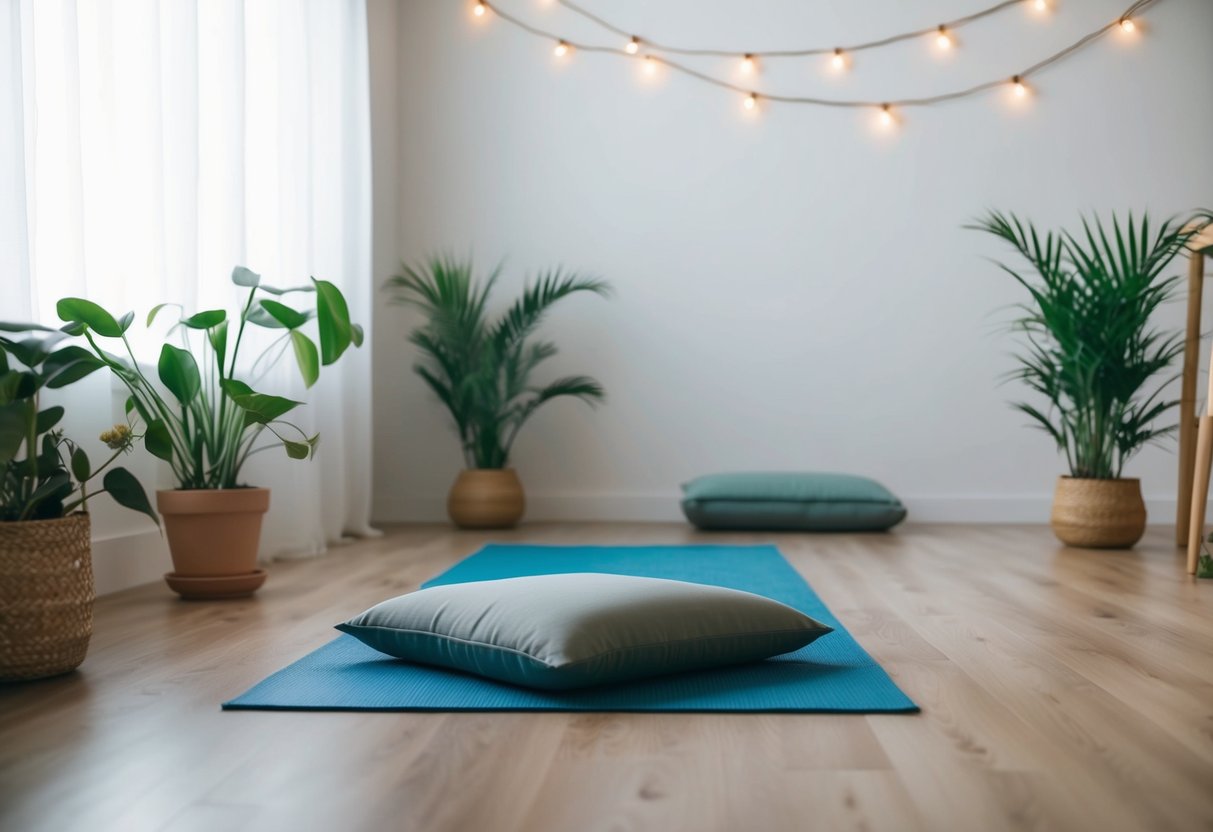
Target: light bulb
(1019, 86)
(839, 60)
(1041, 5)
(750, 101)
(479, 9)
(886, 116)
(747, 64)
(1127, 24)
(633, 46)
(650, 65)
(943, 40)
(561, 49)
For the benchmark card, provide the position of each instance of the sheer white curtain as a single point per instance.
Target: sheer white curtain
(148, 146)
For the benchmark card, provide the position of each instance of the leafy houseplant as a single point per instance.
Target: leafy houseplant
(480, 368)
(46, 577)
(206, 422)
(1091, 352)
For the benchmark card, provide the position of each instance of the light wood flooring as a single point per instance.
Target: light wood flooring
(1061, 689)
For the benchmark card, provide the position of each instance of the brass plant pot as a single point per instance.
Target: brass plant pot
(1098, 514)
(46, 596)
(213, 536)
(484, 498)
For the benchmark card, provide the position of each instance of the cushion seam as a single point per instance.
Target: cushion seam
(822, 629)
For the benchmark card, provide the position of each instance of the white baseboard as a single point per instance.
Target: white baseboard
(662, 508)
(128, 560)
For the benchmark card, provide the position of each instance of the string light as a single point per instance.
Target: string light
(886, 113)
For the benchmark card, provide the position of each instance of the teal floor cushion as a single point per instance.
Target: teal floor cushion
(789, 501)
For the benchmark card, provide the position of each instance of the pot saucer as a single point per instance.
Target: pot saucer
(217, 587)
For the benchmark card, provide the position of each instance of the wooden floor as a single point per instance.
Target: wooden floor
(1061, 689)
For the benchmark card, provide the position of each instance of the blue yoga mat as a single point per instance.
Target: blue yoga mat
(833, 674)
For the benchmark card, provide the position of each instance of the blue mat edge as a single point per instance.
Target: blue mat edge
(912, 708)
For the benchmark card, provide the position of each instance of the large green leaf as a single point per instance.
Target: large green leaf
(283, 314)
(79, 310)
(69, 364)
(206, 320)
(333, 317)
(306, 355)
(17, 384)
(179, 373)
(14, 425)
(259, 408)
(126, 490)
(81, 468)
(32, 351)
(48, 418)
(157, 440)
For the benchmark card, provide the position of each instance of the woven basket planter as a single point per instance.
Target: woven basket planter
(46, 597)
(1098, 514)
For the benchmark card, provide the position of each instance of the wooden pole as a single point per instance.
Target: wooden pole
(1187, 399)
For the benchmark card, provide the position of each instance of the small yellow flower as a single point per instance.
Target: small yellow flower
(117, 437)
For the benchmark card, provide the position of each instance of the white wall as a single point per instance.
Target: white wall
(794, 290)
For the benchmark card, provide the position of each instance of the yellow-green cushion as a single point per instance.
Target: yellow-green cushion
(788, 501)
(573, 630)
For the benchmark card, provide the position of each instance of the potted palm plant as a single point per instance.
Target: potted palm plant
(205, 421)
(1091, 352)
(46, 482)
(480, 368)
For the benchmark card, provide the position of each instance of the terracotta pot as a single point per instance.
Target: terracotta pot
(1098, 514)
(46, 597)
(213, 535)
(484, 498)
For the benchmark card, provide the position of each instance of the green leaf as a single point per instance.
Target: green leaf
(74, 328)
(124, 323)
(68, 365)
(333, 316)
(16, 385)
(179, 373)
(218, 339)
(127, 492)
(157, 440)
(245, 277)
(283, 314)
(6, 326)
(13, 427)
(305, 354)
(81, 468)
(48, 418)
(259, 408)
(56, 487)
(356, 334)
(32, 351)
(296, 450)
(155, 310)
(81, 311)
(206, 320)
(273, 290)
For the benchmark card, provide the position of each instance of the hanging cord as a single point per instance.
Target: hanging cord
(788, 53)
(829, 102)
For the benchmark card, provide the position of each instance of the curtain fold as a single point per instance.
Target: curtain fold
(152, 145)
